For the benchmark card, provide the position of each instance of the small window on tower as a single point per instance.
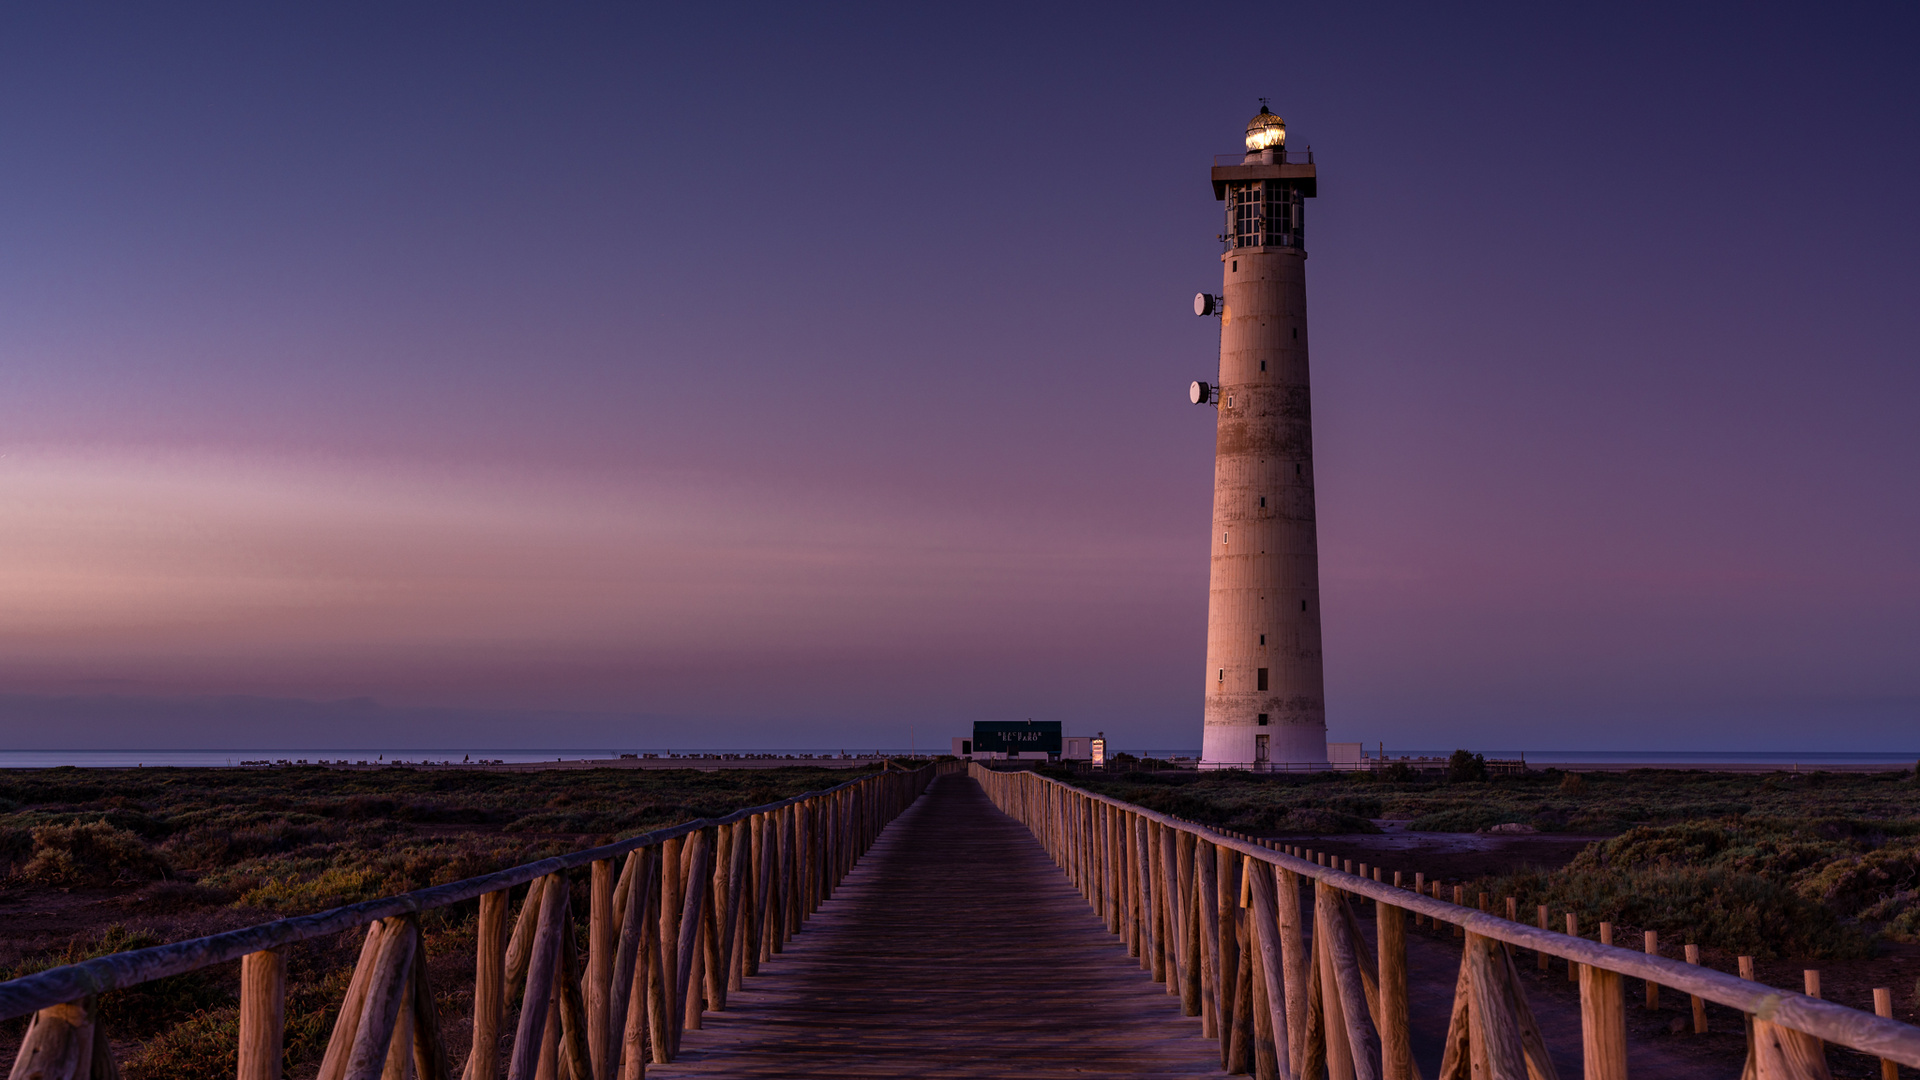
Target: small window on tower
(1236, 266)
(1263, 719)
(1296, 470)
(1263, 365)
(1263, 639)
(1296, 333)
(1263, 500)
(1223, 675)
(1261, 676)
(1303, 605)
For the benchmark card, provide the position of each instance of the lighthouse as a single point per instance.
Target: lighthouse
(1265, 690)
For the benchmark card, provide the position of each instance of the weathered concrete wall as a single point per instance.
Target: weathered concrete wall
(1264, 602)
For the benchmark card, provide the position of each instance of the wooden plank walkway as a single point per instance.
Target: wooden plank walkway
(955, 949)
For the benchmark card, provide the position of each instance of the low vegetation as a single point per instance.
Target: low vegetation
(99, 861)
(1814, 865)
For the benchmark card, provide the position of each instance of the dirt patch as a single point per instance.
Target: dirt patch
(1450, 856)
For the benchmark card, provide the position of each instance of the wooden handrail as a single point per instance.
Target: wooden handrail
(1863, 1031)
(387, 1001)
(117, 971)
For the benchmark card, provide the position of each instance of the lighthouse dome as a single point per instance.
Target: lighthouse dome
(1266, 132)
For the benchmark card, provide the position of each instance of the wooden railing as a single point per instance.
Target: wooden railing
(691, 911)
(1218, 918)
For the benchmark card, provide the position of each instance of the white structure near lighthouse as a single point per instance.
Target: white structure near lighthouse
(1265, 695)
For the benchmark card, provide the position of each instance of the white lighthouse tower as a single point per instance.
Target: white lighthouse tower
(1265, 696)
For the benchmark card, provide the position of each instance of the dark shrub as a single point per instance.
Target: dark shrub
(94, 853)
(1464, 767)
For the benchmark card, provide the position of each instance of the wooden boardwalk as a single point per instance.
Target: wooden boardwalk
(955, 949)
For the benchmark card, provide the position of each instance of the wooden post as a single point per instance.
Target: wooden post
(1172, 934)
(1262, 1062)
(1811, 979)
(399, 1059)
(713, 939)
(673, 895)
(700, 920)
(765, 853)
(1883, 1007)
(628, 985)
(388, 993)
(1296, 965)
(1699, 1006)
(574, 1053)
(1190, 963)
(520, 946)
(1337, 1046)
(1456, 1056)
(1419, 886)
(1396, 1045)
(1746, 972)
(548, 1067)
(809, 858)
(737, 897)
(781, 919)
(1206, 890)
(1459, 900)
(1603, 1023)
(1144, 861)
(1272, 986)
(59, 1043)
(263, 1014)
(1541, 954)
(1342, 958)
(1493, 1031)
(748, 931)
(602, 933)
(430, 1061)
(1156, 902)
(1573, 930)
(333, 1066)
(1781, 1053)
(1240, 1055)
(543, 962)
(686, 1005)
(1226, 918)
(661, 958)
(489, 987)
(1652, 944)
(1532, 1042)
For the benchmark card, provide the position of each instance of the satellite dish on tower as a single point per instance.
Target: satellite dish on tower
(1200, 393)
(1204, 304)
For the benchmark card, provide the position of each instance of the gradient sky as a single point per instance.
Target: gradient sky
(728, 375)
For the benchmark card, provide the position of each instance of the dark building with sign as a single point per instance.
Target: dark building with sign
(1036, 739)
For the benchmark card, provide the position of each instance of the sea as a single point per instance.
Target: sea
(126, 759)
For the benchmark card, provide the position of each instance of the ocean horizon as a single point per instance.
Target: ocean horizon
(203, 758)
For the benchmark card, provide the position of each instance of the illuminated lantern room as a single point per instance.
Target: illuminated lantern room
(1266, 132)
(1266, 191)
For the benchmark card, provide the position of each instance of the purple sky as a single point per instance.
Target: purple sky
(753, 376)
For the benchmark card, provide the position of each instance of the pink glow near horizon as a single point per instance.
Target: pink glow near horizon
(642, 364)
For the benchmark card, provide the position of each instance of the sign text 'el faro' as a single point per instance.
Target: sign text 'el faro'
(1265, 699)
